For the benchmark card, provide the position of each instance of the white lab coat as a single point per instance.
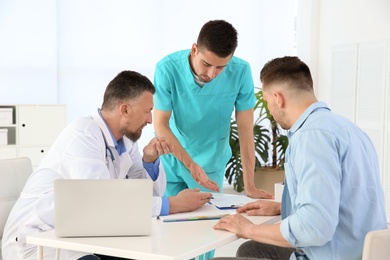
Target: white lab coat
(80, 152)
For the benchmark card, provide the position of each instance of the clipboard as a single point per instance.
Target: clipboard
(229, 201)
(206, 212)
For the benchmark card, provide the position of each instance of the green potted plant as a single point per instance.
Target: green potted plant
(270, 146)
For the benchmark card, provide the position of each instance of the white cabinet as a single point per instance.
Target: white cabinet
(33, 130)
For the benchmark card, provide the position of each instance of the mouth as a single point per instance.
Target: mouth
(206, 79)
(141, 128)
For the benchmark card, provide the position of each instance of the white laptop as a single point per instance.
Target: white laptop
(89, 208)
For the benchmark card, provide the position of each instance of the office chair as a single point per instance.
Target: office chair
(377, 245)
(13, 176)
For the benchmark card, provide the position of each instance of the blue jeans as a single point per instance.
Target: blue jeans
(252, 250)
(89, 257)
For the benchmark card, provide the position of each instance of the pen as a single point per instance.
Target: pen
(203, 218)
(195, 218)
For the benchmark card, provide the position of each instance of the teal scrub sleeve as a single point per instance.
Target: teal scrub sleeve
(246, 96)
(162, 97)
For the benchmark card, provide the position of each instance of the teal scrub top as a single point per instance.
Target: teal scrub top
(201, 116)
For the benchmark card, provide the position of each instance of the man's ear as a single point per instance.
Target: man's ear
(124, 109)
(194, 49)
(280, 99)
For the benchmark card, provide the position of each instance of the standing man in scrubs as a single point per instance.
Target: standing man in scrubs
(196, 92)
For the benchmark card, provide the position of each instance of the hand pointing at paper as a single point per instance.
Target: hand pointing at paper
(261, 208)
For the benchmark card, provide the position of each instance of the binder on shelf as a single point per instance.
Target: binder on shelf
(3, 136)
(6, 116)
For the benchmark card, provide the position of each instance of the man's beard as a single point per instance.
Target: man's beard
(133, 136)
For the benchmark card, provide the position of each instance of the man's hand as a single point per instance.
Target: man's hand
(258, 193)
(188, 200)
(261, 208)
(201, 177)
(156, 147)
(236, 224)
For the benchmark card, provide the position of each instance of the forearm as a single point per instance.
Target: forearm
(248, 162)
(247, 147)
(175, 205)
(269, 234)
(161, 125)
(163, 130)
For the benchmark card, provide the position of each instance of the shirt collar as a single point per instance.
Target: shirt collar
(196, 78)
(301, 120)
(120, 145)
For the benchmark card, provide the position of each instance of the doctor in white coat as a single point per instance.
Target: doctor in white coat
(102, 146)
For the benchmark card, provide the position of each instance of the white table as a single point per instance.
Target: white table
(170, 241)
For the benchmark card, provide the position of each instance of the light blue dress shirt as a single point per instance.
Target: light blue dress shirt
(334, 195)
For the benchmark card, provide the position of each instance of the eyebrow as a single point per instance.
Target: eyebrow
(212, 64)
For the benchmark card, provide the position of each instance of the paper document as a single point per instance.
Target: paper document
(224, 201)
(205, 212)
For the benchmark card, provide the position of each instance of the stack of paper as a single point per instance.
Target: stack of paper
(220, 205)
(206, 212)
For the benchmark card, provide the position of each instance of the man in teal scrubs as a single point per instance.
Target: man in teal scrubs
(196, 92)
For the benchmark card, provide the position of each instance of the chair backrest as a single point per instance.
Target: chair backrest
(13, 176)
(377, 245)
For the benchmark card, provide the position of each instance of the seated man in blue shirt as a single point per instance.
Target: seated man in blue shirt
(332, 195)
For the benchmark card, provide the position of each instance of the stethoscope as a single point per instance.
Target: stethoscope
(112, 157)
(108, 151)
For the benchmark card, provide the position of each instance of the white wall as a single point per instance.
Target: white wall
(28, 52)
(66, 51)
(307, 31)
(348, 22)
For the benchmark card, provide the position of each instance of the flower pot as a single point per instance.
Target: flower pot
(266, 178)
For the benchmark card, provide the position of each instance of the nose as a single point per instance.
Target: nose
(211, 73)
(149, 117)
